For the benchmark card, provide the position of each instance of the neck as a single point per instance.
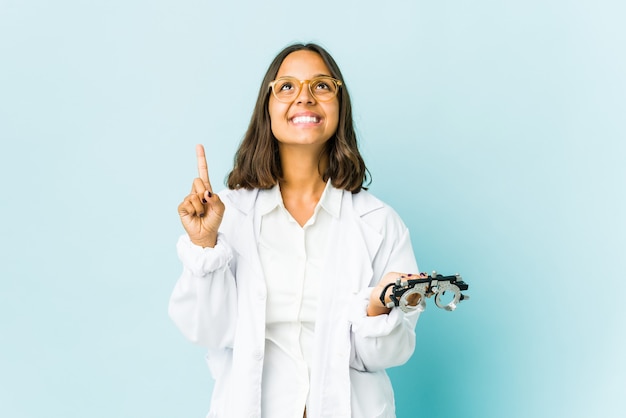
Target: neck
(302, 172)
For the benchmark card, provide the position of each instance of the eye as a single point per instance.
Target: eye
(322, 85)
(325, 86)
(285, 85)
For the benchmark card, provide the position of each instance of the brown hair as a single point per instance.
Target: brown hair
(257, 161)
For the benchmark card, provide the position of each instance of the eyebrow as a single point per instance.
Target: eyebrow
(316, 75)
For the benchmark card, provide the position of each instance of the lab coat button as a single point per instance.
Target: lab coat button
(258, 355)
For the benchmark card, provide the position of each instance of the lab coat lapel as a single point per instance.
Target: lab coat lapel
(353, 246)
(250, 335)
(246, 232)
(357, 243)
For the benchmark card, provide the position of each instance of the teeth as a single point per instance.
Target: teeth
(305, 119)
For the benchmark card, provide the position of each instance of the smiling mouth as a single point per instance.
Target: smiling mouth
(305, 119)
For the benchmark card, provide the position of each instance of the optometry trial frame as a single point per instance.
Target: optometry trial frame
(409, 291)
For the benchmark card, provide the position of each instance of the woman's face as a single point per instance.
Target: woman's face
(305, 121)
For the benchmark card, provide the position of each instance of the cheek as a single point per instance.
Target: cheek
(333, 118)
(276, 110)
(279, 128)
(276, 116)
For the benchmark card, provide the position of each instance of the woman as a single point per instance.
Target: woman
(283, 271)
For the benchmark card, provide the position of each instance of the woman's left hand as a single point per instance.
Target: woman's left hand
(375, 306)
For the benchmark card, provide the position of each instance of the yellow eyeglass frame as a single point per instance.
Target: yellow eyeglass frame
(298, 84)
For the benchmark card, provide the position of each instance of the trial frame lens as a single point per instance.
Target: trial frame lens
(287, 89)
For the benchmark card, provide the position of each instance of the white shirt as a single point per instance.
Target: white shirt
(292, 258)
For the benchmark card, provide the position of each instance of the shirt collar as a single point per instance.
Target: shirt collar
(269, 199)
(330, 201)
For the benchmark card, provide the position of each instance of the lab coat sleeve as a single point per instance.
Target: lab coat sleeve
(388, 340)
(203, 304)
(383, 341)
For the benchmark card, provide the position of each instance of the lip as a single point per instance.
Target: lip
(305, 119)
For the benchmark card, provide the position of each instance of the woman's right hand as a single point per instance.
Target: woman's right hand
(202, 210)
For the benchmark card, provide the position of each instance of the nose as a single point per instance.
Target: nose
(305, 95)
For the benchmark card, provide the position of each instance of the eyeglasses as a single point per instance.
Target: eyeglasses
(323, 88)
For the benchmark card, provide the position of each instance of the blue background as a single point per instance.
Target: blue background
(495, 128)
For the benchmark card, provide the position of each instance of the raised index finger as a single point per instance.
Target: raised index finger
(203, 171)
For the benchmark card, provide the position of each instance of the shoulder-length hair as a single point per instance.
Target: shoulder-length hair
(257, 161)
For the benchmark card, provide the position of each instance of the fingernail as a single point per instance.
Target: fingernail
(204, 200)
(201, 214)
(210, 194)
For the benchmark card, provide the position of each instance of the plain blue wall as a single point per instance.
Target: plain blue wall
(495, 128)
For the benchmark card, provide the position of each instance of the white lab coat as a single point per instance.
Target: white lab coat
(219, 302)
